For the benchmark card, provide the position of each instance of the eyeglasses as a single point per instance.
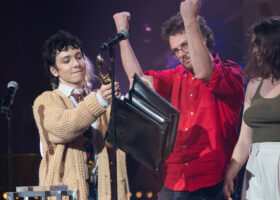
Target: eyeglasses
(183, 48)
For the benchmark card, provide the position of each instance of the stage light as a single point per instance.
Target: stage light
(149, 195)
(130, 195)
(148, 29)
(5, 195)
(138, 195)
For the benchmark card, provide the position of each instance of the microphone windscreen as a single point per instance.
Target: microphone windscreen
(13, 84)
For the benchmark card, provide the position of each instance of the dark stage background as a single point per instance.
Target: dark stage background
(26, 24)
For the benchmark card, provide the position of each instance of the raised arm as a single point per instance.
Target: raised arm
(129, 60)
(241, 151)
(200, 56)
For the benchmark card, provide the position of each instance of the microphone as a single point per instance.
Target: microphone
(122, 35)
(9, 98)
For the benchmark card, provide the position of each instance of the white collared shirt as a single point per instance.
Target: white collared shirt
(68, 91)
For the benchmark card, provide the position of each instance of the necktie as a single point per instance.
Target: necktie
(78, 97)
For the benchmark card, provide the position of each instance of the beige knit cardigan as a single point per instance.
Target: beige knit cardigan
(64, 161)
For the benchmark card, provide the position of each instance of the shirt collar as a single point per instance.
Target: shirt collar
(68, 90)
(216, 58)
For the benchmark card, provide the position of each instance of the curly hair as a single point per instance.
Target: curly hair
(264, 49)
(175, 25)
(60, 41)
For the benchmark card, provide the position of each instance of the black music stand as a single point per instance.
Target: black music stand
(146, 125)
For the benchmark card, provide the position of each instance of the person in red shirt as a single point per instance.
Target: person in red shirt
(208, 93)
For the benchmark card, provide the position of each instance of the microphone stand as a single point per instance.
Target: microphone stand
(113, 111)
(8, 114)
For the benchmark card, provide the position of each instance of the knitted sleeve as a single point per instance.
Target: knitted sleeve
(103, 121)
(61, 123)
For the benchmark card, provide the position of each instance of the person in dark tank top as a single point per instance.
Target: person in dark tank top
(259, 140)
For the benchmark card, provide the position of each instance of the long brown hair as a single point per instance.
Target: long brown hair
(264, 49)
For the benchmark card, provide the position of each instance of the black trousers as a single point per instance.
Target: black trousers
(208, 193)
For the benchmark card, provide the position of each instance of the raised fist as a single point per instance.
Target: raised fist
(122, 21)
(189, 10)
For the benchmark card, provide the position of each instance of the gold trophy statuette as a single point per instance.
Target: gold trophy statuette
(105, 78)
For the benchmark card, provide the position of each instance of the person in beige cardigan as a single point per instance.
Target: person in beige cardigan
(62, 121)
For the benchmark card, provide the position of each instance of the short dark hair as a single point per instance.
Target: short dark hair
(264, 49)
(175, 25)
(60, 41)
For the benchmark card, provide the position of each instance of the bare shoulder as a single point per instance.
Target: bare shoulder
(252, 87)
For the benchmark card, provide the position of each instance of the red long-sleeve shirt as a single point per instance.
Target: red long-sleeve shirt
(207, 131)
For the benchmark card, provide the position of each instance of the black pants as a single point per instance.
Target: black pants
(208, 193)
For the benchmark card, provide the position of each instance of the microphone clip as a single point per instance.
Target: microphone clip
(122, 35)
